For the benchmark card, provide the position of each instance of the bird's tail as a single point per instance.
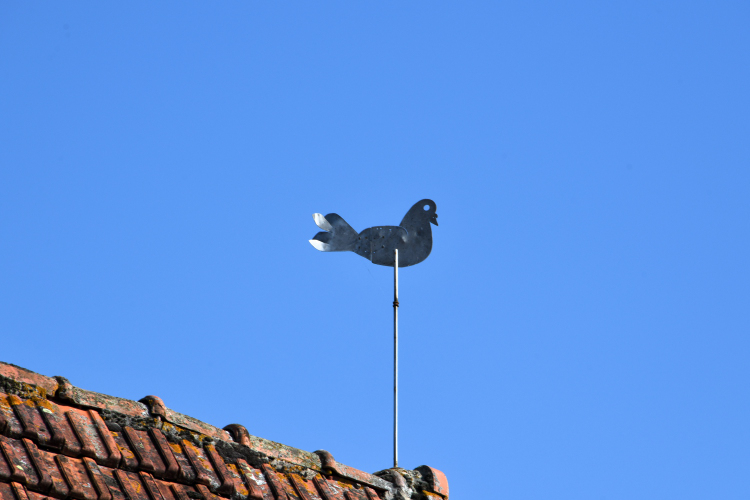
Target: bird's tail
(337, 234)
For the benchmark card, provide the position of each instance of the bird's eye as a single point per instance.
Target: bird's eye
(426, 208)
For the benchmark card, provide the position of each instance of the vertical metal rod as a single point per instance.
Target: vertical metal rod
(395, 359)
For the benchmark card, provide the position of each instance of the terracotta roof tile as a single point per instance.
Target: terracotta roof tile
(172, 468)
(92, 445)
(20, 491)
(63, 436)
(9, 424)
(76, 475)
(250, 479)
(144, 449)
(19, 463)
(58, 441)
(179, 491)
(128, 461)
(204, 473)
(112, 484)
(31, 421)
(6, 492)
(436, 480)
(98, 479)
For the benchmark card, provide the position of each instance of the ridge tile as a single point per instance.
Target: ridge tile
(81, 397)
(12, 375)
(436, 480)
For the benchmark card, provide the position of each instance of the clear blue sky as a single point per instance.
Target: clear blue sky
(580, 330)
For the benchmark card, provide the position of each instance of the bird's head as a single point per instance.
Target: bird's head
(424, 210)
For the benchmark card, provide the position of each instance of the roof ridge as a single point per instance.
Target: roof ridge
(49, 417)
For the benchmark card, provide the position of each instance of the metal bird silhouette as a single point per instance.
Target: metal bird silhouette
(412, 238)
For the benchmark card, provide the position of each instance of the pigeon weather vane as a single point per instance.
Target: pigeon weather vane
(404, 245)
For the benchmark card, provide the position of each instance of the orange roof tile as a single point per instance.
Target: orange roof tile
(58, 441)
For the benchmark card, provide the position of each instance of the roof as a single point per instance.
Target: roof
(58, 441)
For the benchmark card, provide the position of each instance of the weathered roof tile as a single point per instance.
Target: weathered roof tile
(19, 491)
(250, 480)
(76, 475)
(172, 468)
(19, 462)
(31, 421)
(128, 460)
(9, 424)
(92, 445)
(437, 481)
(131, 485)
(6, 492)
(98, 479)
(112, 483)
(63, 436)
(273, 480)
(144, 449)
(44, 480)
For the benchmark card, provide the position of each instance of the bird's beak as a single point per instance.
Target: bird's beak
(433, 219)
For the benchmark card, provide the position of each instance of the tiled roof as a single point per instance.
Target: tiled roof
(61, 442)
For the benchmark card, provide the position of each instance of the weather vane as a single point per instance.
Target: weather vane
(404, 245)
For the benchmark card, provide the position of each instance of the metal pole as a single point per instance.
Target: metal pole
(395, 359)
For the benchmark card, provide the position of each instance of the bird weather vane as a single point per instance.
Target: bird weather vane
(404, 245)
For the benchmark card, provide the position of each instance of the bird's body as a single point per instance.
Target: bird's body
(412, 238)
